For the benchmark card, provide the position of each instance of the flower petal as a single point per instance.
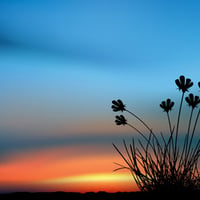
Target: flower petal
(187, 100)
(120, 102)
(115, 102)
(189, 83)
(172, 104)
(191, 96)
(168, 102)
(178, 83)
(162, 106)
(182, 80)
(115, 108)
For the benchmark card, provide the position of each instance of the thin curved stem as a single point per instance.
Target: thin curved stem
(185, 146)
(147, 139)
(170, 127)
(188, 132)
(138, 132)
(138, 118)
(171, 132)
(177, 127)
(195, 124)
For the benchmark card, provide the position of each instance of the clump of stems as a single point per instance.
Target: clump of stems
(158, 163)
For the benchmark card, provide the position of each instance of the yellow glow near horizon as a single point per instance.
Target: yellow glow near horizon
(102, 177)
(109, 182)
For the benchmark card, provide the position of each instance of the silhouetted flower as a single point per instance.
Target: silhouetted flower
(167, 105)
(118, 105)
(120, 120)
(192, 100)
(199, 84)
(183, 84)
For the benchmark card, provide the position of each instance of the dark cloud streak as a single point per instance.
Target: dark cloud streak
(68, 51)
(10, 144)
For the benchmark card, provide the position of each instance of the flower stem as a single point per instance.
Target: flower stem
(185, 146)
(193, 131)
(138, 131)
(188, 132)
(139, 120)
(170, 127)
(171, 132)
(177, 127)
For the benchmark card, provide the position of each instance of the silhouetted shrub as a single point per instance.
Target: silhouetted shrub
(160, 163)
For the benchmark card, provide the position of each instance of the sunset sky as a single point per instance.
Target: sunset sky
(62, 62)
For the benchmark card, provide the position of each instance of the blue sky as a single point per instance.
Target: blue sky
(63, 62)
(133, 33)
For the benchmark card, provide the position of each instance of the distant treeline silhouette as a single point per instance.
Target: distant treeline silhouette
(88, 195)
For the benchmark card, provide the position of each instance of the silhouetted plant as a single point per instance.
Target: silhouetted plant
(120, 120)
(183, 84)
(192, 100)
(167, 105)
(118, 106)
(161, 164)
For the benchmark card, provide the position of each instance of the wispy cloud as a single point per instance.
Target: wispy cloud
(10, 144)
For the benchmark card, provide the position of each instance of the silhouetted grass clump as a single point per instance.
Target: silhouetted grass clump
(158, 163)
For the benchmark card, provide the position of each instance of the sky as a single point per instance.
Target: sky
(61, 65)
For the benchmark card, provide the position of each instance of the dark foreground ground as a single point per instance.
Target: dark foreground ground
(97, 196)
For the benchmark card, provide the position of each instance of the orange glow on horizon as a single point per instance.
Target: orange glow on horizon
(64, 169)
